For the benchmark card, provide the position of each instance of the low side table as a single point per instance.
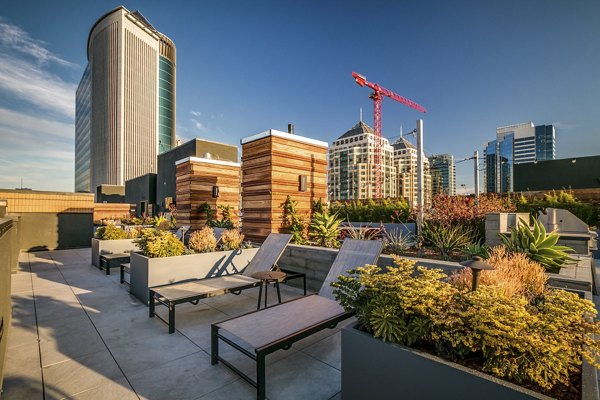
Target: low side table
(267, 277)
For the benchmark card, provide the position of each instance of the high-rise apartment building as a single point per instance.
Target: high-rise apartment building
(516, 144)
(443, 174)
(352, 167)
(125, 102)
(405, 161)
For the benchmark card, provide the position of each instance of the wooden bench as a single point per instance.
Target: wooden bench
(106, 260)
(125, 268)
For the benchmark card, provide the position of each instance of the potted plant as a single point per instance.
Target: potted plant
(422, 336)
(111, 239)
(164, 259)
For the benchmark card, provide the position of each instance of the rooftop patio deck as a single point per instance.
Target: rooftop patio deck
(78, 333)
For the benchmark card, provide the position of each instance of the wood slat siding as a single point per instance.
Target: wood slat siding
(270, 172)
(111, 210)
(195, 180)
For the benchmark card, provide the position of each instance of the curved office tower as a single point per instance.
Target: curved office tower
(125, 102)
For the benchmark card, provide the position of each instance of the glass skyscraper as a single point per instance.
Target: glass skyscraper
(443, 174)
(125, 103)
(516, 144)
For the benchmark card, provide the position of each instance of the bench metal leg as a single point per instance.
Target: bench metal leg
(259, 296)
(261, 392)
(214, 345)
(304, 283)
(122, 274)
(171, 318)
(108, 268)
(266, 297)
(278, 293)
(151, 305)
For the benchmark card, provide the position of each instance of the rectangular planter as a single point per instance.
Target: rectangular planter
(111, 247)
(373, 369)
(149, 272)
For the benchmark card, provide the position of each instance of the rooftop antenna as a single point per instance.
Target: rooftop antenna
(21, 182)
(360, 114)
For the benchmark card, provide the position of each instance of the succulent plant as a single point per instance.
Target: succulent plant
(539, 245)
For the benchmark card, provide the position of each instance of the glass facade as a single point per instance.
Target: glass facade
(442, 172)
(545, 143)
(83, 121)
(166, 99)
(489, 154)
(505, 161)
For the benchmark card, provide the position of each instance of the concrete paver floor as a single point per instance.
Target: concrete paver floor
(78, 334)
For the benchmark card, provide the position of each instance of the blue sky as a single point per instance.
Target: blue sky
(246, 66)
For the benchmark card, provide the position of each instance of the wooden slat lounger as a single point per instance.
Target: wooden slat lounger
(279, 326)
(170, 295)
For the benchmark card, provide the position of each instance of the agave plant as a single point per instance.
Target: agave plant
(324, 228)
(539, 245)
(446, 239)
(397, 242)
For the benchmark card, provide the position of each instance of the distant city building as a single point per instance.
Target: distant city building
(125, 102)
(405, 161)
(443, 174)
(516, 144)
(352, 167)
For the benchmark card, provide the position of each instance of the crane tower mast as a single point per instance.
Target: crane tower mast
(377, 97)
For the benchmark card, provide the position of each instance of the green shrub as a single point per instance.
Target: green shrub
(324, 229)
(156, 243)
(447, 239)
(382, 210)
(537, 342)
(294, 222)
(537, 244)
(110, 232)
(203, 240)
(232, 239)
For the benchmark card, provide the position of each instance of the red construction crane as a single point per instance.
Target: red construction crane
(377, 96)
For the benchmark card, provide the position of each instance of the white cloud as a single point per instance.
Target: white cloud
(196, 113)
(14, 38)
(29, 82)
(199, 125)
(37, 149)
(34, 126)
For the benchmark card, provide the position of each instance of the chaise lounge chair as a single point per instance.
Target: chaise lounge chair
(192, 291)
(279, 326)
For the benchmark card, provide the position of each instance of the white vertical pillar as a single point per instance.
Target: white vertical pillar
(476, 174)
(420, 180)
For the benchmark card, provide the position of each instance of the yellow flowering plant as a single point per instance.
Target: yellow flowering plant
(531, 337)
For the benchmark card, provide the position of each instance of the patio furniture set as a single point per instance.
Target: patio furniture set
(273, 327)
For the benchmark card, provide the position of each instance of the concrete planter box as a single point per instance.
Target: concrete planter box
(373, 369)
(110, 247)
(149, 272)
(315, 262)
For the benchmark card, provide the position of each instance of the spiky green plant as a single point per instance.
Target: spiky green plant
(539, 245)
(446, 238)
(324, 229)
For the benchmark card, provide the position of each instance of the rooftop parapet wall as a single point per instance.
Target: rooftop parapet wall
(30, 201)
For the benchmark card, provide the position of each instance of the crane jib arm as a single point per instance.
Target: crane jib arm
(362, 81)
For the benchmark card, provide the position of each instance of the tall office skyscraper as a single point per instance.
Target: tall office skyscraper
(125, 102)
(516, 144)
(443, 174)
(352, 165)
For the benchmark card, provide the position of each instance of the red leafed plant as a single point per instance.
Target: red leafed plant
(449, 210)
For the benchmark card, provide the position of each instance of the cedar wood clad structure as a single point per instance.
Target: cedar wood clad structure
(274, 164)
(196, 178)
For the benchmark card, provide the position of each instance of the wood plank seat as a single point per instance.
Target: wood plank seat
(192, 291)
(107, 260)
(279, 326)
